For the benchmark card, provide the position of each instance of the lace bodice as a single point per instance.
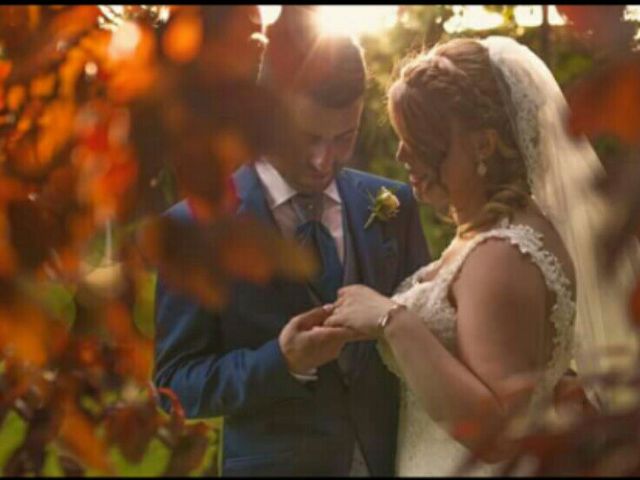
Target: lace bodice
(424, 447)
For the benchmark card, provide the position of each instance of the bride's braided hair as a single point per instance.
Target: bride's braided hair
(455, 80)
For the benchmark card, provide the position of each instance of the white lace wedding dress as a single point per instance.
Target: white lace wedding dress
(424, 447)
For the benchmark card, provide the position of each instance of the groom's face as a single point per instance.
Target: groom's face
(328, 136)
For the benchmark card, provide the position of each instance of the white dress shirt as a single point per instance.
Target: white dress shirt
(279, 194)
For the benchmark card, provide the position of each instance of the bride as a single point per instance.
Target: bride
(481, 133)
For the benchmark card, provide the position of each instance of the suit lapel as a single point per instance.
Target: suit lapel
(252, 196)
(369, 244)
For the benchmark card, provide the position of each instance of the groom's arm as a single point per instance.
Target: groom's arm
(189, 361)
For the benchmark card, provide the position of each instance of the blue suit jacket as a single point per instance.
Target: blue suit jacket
(229, 363)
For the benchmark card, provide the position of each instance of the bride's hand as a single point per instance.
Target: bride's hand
(359, 307)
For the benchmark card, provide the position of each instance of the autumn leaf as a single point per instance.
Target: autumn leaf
(189, 451)
(75, 20)
(69, 162)
(203, 260)
(183, 37)
(134, 74)
(589, 17)
(15, 27)
(43, 85)
(233, 42)
(230, 148)
(608, 101)
(16, 96)
(34, 231)
(78, 437)
(602, 23)
(177, 411)
(28, 335)
(131, 428)
(5, 69)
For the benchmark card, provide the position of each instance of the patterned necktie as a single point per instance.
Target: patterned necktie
(313, 233)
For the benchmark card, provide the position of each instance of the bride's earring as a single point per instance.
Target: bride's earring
(482, 168)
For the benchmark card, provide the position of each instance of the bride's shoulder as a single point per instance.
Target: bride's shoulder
(550, 240)
(496, 276)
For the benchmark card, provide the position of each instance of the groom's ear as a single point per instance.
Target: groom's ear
(486, 142)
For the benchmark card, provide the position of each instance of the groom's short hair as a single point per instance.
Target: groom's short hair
(328, 68)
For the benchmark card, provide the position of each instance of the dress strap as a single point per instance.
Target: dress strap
(530, 243)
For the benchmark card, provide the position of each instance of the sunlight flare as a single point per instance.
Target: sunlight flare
(356, 19)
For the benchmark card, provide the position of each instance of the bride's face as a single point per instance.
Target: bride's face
(422, 178)
(458, 182)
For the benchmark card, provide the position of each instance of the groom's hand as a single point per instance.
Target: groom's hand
(307, 344)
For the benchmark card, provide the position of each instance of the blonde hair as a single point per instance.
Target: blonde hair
(456, 80)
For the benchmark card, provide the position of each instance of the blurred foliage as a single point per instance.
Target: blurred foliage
(107, 115)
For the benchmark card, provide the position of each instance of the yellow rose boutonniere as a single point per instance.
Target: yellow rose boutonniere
(384, 206)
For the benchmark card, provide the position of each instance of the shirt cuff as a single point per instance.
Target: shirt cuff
(309, 376)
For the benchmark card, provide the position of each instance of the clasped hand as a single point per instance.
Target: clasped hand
(316, 337)
(359, 308)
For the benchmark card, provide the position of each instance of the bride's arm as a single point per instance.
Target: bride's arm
(500, 298)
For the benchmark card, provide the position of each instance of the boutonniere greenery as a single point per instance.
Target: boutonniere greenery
(383, 207)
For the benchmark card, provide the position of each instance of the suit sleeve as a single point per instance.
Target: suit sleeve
(416, 251)
(208, 382)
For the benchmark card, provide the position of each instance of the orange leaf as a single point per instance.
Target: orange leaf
(608, 102)
(244, 257)
(118, 178)
(183, 37)
(231, 150)
(131, 428)
(118, 321)
(5, 69)
(189, 451)
(78, 435)
(75, 20)
(16, 96)
(43, 85)
(28, 336)
(8, 263)
(11, 190)
(589, 17)
(141, 360)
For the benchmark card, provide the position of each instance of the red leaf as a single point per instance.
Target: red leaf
(183, 38)
(603, 23)
(608, 102)
(189, 451)
(78, 435)
(131, 428)
(590, 17)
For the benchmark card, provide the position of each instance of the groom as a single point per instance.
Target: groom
(296, 398)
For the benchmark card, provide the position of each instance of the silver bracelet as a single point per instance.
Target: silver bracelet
(384, 319)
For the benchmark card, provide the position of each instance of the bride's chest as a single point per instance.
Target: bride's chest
(427, 295)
